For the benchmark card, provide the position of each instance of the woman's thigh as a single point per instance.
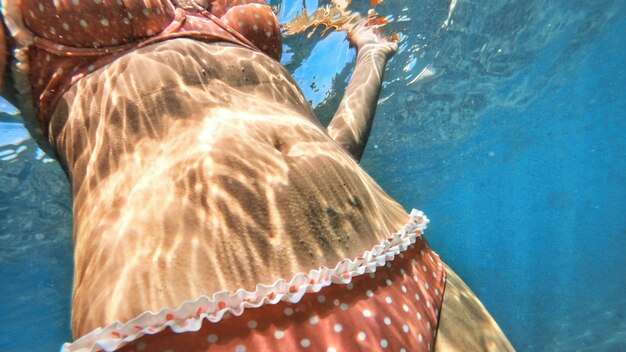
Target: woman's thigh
(464, 323)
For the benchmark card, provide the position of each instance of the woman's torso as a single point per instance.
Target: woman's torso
(198, 168)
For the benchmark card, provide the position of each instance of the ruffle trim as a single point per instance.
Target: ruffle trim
(188, 317)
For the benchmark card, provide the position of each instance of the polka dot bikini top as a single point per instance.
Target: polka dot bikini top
(74, 37)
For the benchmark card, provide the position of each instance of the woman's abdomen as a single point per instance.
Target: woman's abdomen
(188, 183)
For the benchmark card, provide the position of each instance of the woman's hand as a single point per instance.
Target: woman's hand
(365, 36)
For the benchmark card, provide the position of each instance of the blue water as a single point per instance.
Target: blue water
(514, 147)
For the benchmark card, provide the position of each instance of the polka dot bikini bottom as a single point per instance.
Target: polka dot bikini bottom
(388, 299)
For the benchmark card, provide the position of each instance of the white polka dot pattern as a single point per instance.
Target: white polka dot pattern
(378, 316)
(82, 35)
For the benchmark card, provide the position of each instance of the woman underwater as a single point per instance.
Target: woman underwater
(211, 209)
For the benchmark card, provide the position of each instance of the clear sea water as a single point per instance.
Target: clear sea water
(503, 120)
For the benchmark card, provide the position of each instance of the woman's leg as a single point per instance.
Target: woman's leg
(464, 323)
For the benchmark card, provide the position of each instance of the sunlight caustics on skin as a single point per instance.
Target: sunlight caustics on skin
(381, 310)
(223, 169)
(399, 282)
(352, 122)
(53, 55)
(198, 168)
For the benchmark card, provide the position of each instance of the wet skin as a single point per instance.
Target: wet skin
(199, 167)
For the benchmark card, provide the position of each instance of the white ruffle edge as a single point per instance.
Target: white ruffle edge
(190, 315)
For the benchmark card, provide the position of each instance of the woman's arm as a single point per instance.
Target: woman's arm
(3, 57)
(352, 122)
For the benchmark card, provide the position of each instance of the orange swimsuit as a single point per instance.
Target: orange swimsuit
(387, 299)
(67, 39)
